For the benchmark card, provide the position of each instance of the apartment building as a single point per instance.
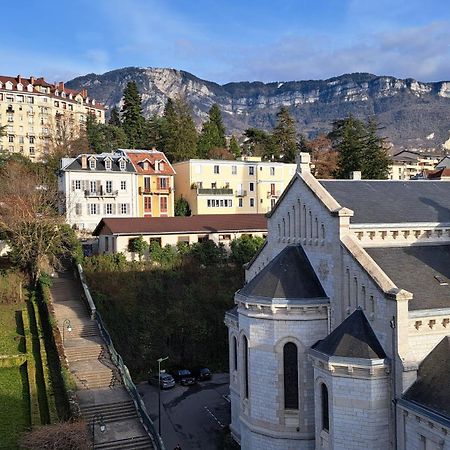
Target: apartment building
(33, 110)
(95, 186)
(155, 182)
(408, 163)
(245, 186)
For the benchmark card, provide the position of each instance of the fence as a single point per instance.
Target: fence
(123, 369)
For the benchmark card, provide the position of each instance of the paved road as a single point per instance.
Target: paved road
(194, 416)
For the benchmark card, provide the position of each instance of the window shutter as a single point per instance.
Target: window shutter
(85, 185)
(73, 185)
(98, 184)
(114, 208)
(89, 209)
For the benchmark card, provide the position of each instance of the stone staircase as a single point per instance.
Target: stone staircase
(99, 388)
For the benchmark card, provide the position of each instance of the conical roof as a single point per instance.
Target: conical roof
(289, 276)
(353, 338)
(432, 388)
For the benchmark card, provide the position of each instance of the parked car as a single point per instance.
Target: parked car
(166, 380)
(201, 373)
(184, 377)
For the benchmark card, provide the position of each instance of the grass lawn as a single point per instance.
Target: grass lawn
(9, 342)
(14, 416)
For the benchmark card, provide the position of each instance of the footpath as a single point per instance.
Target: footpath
(102, 397)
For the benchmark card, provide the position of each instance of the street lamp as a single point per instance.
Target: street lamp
(66, 324)
(160, 360)
(99, 419)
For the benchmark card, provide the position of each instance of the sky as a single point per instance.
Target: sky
(228, 40)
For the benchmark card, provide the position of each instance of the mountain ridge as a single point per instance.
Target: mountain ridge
(409, 111)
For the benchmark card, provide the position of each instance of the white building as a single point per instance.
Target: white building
(95, 186)
(340, 336)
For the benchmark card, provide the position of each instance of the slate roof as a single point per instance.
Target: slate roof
(353, 338)
(289, 276)
(100, 165)
(205, 223)
(414, 269)
(432, 388)
(392, 201)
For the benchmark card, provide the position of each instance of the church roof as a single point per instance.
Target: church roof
(353, 338)
(289, 276)
(392, 201)
(422, 270)
(432, 388)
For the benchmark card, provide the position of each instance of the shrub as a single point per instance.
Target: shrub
(244, 248)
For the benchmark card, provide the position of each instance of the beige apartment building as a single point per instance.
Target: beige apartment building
(408, 163)
(245, 186)
(32, 110)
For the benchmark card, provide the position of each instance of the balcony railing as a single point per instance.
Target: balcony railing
(156, 190)
(240, 193)
(100, 193)
(213, 191)
(273, 194)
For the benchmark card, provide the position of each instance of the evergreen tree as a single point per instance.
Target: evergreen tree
(132, 119)
(213, 133)
(114, 118)
(375, 159)
(178, 131)
(182, 207)
(94, 134)
(285, 135)
(215, 116)
(234, 147)
(347, 137)
(261, 143)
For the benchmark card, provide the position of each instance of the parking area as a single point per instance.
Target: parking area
(195, 417)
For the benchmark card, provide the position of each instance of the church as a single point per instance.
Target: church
(340, 337)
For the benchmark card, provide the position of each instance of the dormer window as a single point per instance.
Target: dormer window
(92, 164)
(108, 164)
(19, 86)
(8, 85)
(122, 164)
(145, 165)
(30, 88)
(161, 166)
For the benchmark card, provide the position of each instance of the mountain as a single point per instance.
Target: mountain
(413, 114)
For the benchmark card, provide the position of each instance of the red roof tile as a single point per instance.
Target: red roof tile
(152, 156)
(207, 223)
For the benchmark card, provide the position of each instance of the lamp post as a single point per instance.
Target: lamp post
(160, 360)
(99, 419)
(66, 324)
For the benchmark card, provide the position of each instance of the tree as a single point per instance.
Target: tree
(260, 143)
(215, 116)
(234, 147)
(104, 137)
(139, 246)
(182, 207)
(244, 248)
(132, 119)
(213, 133)
(376, 160)
(178, 131)
(285, 135)
(220, 153)
(29, 219)
(114, 118)
(324, 157)
(347, 137)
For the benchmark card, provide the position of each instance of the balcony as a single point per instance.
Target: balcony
(213, 191)
(273, 194)
(156, 190)
(100, 193)
(240, 193)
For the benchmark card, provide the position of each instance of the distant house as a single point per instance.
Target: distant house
(115, 234)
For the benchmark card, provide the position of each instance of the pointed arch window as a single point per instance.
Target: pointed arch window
(290, 366)
(245, 364)
(325, 407)
(235, 353)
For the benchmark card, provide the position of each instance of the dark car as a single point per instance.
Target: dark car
(184, 377)
(201, 373)
(166, 381)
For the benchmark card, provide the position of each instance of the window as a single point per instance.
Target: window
(233, 170)
(235, 353)
(108, 187)
(78, 184)
(124, 208)
(161, 166)
(214, 185)
(208, 203)
(163, 183)
(272, 202)
(10, 138)
(251, 170)
(251, 187)
(93, 208)
(10, 118)
(31, 139)
(163, 204)
(221, 203)
(78, 209)
(123, 185)
(216, 169)
(290, 369)
(252, 202)
(147, 184)
(245, 364)
(240, 203)
(272, 188)
(122, 164)
(93, 187)
(108, 208)
(272, 171)
(325, 406)
(106, 243)
(92, 162)
(147, 204)
(32, 151)
(108, 164)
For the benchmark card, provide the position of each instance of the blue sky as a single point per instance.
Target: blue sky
(228, 40)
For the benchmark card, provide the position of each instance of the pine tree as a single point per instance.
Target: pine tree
(285, 135)
(234, 147)
(114, 118)
(375, 160)
(347, 137)
(215, 116)
(132, 119)
(213, 133)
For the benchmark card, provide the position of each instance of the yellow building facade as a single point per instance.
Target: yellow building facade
(244, 186)
(33, 111)
(155, 182)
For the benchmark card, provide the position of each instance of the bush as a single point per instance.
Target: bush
(182, 207)
(244, 248)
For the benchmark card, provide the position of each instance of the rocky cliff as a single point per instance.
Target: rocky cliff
(413, 114)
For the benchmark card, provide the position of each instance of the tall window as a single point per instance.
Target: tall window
(216, 169)
(147, 204)
(245, 364)
(108, 187)
(325, 410)
(163, 204)
(251, 170)
(290, 366)
(233, 170)
(235, 353)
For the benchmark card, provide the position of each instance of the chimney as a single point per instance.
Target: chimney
(356, 175)
(19, 78)
(84, 164)
(154, 149)
(32, 79)
(61, 85)
(303, 161)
